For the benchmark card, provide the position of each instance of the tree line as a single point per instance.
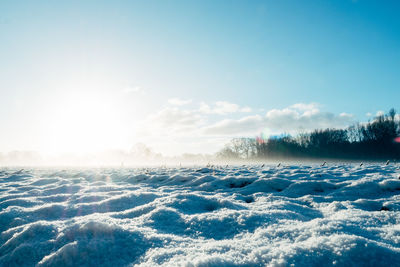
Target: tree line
(377, 139)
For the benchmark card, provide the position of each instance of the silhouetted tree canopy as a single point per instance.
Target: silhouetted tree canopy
(375, 139)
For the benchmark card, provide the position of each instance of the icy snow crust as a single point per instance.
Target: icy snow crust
(342, 215)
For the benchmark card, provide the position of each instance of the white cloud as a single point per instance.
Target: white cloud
(178, 120)
(204, 108)
(299, 117)
(222, 108)
(247, 125)
(174, 119)
(305, 107)
(179, 102)
(246, 109)
(133, 89)
(182, 127)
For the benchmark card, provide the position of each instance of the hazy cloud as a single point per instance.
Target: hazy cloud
(246, 125)
(133, 89)
(203, 122)
(298, 117)
(175, 119)
(222, 108)
(179, 102)
(181, 127)
(246, 109)
(306, 107)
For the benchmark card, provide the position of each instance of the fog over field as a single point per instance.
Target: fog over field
(250, 215)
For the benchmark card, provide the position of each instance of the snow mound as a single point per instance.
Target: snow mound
(343, 215)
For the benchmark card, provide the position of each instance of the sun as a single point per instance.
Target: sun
(82, 122)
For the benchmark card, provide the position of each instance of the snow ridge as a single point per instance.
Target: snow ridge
(336, 215)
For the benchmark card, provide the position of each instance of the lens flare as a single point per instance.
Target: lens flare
(397, 140)
(262, 138)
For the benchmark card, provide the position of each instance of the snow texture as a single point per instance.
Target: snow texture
(336, 215)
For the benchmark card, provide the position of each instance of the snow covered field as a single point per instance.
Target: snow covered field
(337, 215)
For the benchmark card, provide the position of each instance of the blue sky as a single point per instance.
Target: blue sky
(189, 75)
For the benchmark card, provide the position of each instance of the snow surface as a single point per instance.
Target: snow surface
(342, 215)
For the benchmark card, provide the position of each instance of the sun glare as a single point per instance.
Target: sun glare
(81, 123)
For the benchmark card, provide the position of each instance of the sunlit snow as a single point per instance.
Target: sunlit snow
(336, 215)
